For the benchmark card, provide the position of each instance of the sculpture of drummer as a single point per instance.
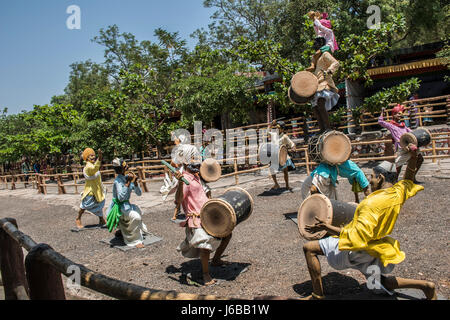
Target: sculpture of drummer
(323, 28)
(324, 179)
(363, 244)
(397, 128)
(198, 243)
(286, 141)
(323, 66)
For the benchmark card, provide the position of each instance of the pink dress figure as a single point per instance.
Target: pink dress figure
(323, 28)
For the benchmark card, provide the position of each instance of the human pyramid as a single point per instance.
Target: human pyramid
(361, 243)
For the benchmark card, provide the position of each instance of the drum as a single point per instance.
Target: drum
(335, 212)
(268, 148)
(303, 87)
(420, 137)
(332, 147)
(221, 215)
(210, 170)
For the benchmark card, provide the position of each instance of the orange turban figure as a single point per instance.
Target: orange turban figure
(87, 152)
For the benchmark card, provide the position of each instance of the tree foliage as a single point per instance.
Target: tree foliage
(126, 103)
(396, 94)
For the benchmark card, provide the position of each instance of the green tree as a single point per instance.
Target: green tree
(214, 87)
(396, 94)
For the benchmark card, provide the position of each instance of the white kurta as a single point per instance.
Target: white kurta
(324, 186)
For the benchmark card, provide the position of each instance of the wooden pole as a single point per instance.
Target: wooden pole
(11, 265)
(420, 117)
(44, 186)
(434, 150)
(236, 171)
(307, 162)
(448, 111)
(141, 176)
(13, 183)
(44, 280)
(38, 183)
(75, 178)
(61, 188)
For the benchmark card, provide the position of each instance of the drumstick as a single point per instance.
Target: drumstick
(174, 171)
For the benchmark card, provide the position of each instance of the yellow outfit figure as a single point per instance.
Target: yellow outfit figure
(93, 196)
(93, 185)
(374, 220)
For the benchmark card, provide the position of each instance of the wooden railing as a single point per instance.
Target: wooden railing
(439, 148)
(39, 275)
(295, 129)
(39, 278)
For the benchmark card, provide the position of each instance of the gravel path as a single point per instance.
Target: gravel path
(266, 249)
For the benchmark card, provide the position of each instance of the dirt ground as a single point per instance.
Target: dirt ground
(266, 250)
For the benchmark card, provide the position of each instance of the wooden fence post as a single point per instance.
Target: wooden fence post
(448, 111)
(39, 184)
(141, 176)
(236, 176)
(44, 280)
(307, 162)
(61, 188)
(420, 117)
(44, 187)
(434, 150)
(6, 182)
(12, 267)
(13, 182)
(75, 178)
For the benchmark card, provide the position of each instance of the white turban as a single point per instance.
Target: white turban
(184, 153)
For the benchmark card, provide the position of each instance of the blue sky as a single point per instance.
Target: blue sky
(36, 47)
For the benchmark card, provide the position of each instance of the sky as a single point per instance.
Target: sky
(37, 48)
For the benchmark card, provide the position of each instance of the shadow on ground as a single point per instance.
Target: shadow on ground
(190, 272)
(340, 287)
(276, 192)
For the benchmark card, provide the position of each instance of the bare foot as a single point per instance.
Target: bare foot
(219, 262)
(430, 291)
(311, 297)
(101, 221)
(118, 234)
(140, 246)
(276, 186)
(207, 280)
(79, 225)
(174, 218)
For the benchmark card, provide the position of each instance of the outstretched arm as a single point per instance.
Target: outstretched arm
(383, 123)
(322, 28)
(410, 171)
(323, 225)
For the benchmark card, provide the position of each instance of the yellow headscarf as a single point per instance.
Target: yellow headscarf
(374, 220)
(87, 152)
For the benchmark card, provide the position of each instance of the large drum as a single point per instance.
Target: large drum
(420, 137)
(221, 215)
(280, 150)
(332, 147)
(210, 170)
(303, 87)
(335, 212)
